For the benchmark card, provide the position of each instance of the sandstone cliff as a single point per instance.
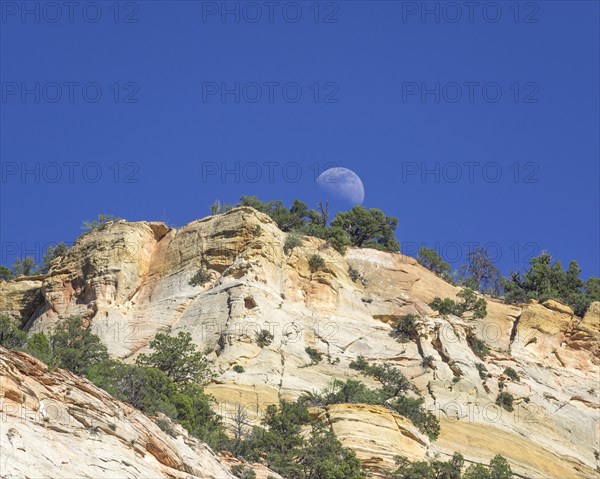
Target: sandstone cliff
(131, 280)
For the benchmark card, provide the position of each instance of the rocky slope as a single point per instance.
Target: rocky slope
(131, 280)
(58, 424)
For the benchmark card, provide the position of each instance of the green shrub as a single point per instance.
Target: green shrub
(505, 400)
(24, 267)
(413, 409)
(478, 347)
(315, 356)
(546, 280)
(39, 347)
(5, 273)
(11, 336)
(512, 374)
(433, 261)
(177, 357)
(482, 370)
(165, 426)
(316, 263)
(405, 328)
(344, 392)
(264, 338)
(53, 253)
(100, 223)
(293, 240)
(238, 368)
(427, 362)
(368, 228)
(200, 278)
(360, 364)
(74, 347)
(470, 303)
(355, 275)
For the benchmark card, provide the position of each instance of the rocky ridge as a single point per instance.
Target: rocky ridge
(130, 280)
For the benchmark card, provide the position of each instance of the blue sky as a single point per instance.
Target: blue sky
(471, 127)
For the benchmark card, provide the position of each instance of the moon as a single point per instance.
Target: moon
(344, 184)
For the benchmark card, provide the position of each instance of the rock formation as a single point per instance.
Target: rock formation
(131, 280)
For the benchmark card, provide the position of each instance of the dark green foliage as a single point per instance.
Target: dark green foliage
(315, 356)
(433, 262)
(360, 364)
(505, 400)
(5, 273)
(333, 235)
(238, 368)
(445, 306)
(470, 303)
(264, 338)
(200, 278)
(152, 391)
(391, 378)
(177, 357)
(478, 346)
(360, 227)
(293, 240)
(316, 263)
(24, 267)
(341, 392)
(74, 347)
(368, 228)
(545, 280)
(428, 362)
(482, 370)
(405, 328)
(480, 273)
(280, 443)
(452, 469)
(39, 346)
(243, 472)
(355, 275)
(512, 374)
(11, 336)
(52, 253)
(100, 223)
(413, 409)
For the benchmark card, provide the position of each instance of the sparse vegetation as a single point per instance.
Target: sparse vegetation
(427, 362)
(482, 370)
(505, 400)
(243, 472)
(433, 262)
(315, 356)
(546, 280)
(11, 336)
(355, 275)
(470, 303)
(23, 267)
(238, 368)
(480, 273)
(405, 328)
(316, 263)
(512, 374)
(264, 338)
(52, 253)
(478, 346)
(100, 223)
(293, 240)
(201, 277)
(452, 469)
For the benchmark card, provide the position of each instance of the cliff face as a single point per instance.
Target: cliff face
(56, 424)
(131, 280)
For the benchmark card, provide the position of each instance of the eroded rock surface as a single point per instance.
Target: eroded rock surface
(131, 280)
